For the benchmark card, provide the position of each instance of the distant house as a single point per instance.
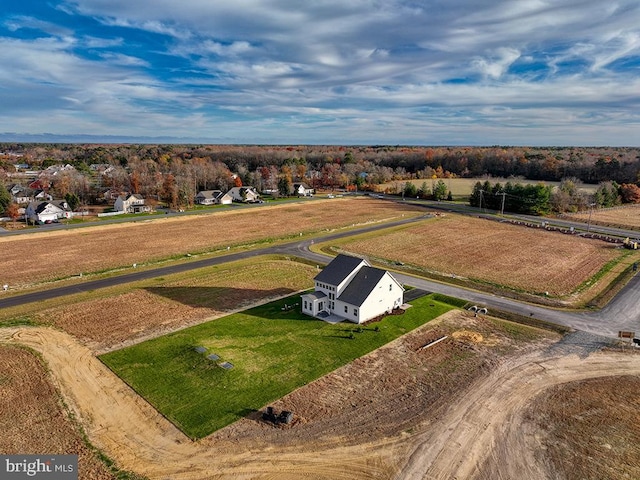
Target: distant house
(244, 194)
(47, 212)
(133, 203)
(349, 288)
(213, 197)
(15, 189)
(20, 195)
(112, 195)
(41, 195)
(302, 190)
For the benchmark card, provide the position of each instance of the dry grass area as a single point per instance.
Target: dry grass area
(591, 428)
(110, 321)
(625, 217)
(38, 257)
(32, 419)
(496, 253)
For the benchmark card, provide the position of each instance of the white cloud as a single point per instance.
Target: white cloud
(496, 66)
(388, 67)
(18, 22)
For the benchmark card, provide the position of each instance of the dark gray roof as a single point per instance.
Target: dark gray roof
(339, 269)
(317, 295)
(361, 285)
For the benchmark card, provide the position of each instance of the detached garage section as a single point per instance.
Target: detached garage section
(349, 288)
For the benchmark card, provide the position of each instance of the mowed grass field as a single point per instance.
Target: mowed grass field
(45, 256)
(500, 254)
(273, 352)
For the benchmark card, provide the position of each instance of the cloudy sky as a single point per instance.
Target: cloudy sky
(431, 72)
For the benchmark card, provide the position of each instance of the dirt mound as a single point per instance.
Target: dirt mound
(467, 336)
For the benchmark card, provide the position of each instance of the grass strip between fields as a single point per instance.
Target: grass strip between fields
(273, 351)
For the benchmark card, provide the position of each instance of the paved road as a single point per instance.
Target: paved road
(622, 313)
(292, 248)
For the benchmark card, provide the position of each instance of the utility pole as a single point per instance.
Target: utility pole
(480, 200)
(502, 206)
(591, 205)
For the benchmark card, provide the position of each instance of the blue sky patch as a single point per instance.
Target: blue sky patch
(489, 72)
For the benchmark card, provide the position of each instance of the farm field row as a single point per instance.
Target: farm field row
(497, 254)
(39, 257)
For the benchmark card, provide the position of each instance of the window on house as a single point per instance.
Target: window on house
(390, 286)
(355, 312)
(346, 309)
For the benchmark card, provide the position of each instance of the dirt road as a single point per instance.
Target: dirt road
(475, 438)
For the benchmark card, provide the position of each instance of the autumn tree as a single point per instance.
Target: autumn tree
(13, 212)
(169, 191)
(134, 181)
(630, 193)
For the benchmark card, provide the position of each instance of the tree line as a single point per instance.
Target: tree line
(178, 172)
(540, 199)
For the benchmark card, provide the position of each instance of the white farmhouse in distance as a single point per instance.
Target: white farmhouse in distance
(133, 203)
(349, 288)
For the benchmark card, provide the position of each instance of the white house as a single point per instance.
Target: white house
(133, 203)
(20, 195)
(41, 195)
(46, 212)
(244, 194)
(213, 197)
(351, 289)
(302, 190)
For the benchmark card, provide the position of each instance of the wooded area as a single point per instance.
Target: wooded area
(180, 171)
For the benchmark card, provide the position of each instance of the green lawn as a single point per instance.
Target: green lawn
(273, 352)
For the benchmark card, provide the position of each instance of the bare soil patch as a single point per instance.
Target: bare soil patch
(58, 254)
(32, 419)
(591, 429)
(111, 321)
(493, 253)
(624, 217)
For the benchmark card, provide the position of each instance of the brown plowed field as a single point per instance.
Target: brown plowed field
(32, 419)
(459, 409)
(32, 258)
(530, 260)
